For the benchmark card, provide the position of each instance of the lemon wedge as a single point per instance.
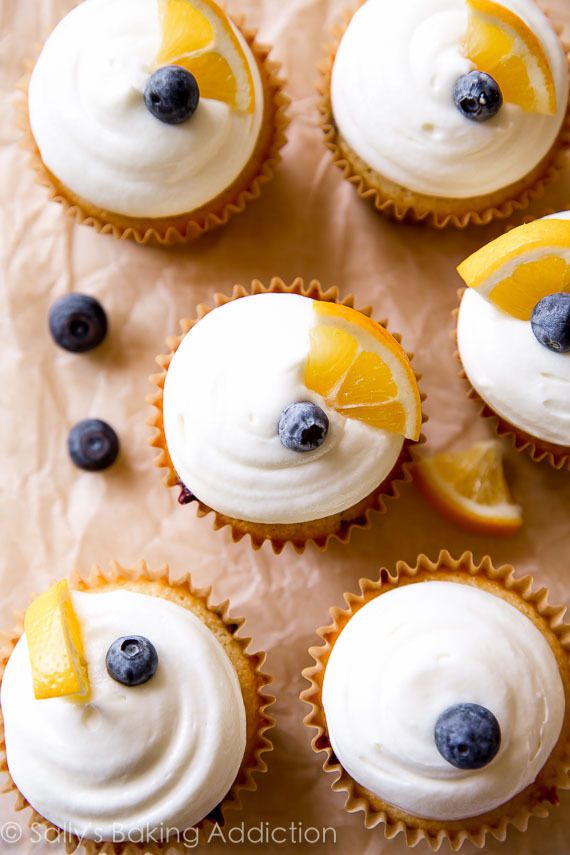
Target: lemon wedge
(198, 36)
(55, 646)
(469, 488)
(361, 371)
(521, 267)
(503, 45)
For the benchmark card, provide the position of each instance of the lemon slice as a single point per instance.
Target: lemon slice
(521, 267)
(198, 36)
(469, 488)
(502, 45)
(361, 371)
(55, 647)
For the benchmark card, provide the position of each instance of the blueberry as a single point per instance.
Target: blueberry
(185, 496)
(477, 96)
(93, 445)
(172, 94)
(132, 660)
(468, 736)
(303, 426)
(77, 322)
(550, 322)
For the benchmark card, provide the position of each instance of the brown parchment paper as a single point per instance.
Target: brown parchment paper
(309, 222)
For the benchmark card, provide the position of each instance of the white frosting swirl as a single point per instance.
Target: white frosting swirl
(411, 653)
(227, 385)
(157, 756)
(521, 380)
(95, 134)
(392, 98)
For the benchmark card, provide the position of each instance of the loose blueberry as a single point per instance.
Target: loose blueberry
(303, 426)
(172, 94)
(77, 322)
(468, 736)
(132, 660)
(477, 96)
(550, 322)
(93, 445)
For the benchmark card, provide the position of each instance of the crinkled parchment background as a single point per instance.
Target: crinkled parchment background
(309, 222)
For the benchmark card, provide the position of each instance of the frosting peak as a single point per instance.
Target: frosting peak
(159, 755)
(437, 644)
(95, 134)
(392, 98)
(230, 380)
(524, 382)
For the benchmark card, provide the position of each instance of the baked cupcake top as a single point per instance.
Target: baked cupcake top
(91, 124)
(145, 730)
(442, 699)
(513, 328)
(282, 409)
(399, 67)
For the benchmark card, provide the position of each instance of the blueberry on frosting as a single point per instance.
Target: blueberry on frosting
(172, 94)
(477, 96)
(467, 735)
(132, 660)
(153, 755)
(303, 426)
(550, 322)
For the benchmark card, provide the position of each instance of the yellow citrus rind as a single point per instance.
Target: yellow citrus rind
(519, 268)
(55, 646)
(469, 488)
(197, 35)
(361, 371)
(501, 44)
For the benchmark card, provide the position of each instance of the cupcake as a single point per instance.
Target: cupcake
(513, 335)
(286, 412)
(131, 709)
(154, 119)
(441, 697)
(449, 112)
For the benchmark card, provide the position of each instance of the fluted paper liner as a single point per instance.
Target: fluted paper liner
(184, 228)
(538, 797)
(541, 451)
(248, 668)
(399, 202)
(338, 526)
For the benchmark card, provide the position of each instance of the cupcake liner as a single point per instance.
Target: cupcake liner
(319, 532)
(218, 619)
(539, 796)
(539, 450)
(399, 203)
(184, 228)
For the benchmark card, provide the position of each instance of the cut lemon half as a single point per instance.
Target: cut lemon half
(198, 36)
(521, 267)
(469, 488)
(55, 647)
(361, 371)
(502, 45)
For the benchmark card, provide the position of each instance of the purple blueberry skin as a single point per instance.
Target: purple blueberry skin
(132, 660)
(93, 445)
(77, 322)
(172, 94)
(477, 96)
(468, 736)
(303, 426)
(550, 322)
